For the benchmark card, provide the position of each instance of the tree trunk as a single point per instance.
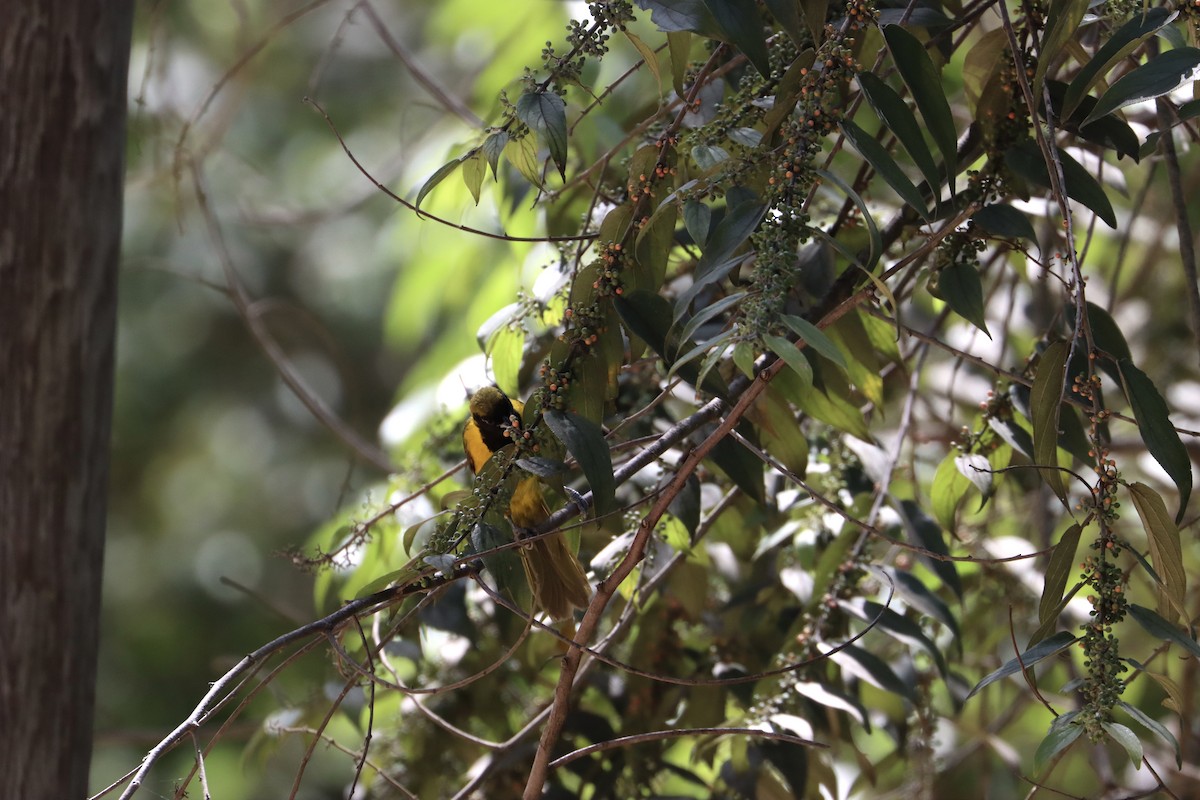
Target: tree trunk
(62, 143)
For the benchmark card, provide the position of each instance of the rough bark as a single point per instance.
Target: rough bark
(62, 142)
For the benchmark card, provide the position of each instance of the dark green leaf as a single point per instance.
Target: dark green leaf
(1163, 536)
(679, 43)
(898, 627)
(697, 218)
(886, 166)
(1154, 423)
(1059, 738)
(686, 505)
(729, 235)
(1045, 404)
(739, 20)
(707, 313)
(871, 668)
(787, 12)
(681, 15)
(895, 113)
(1152, 724)
(442, 172)
(708, 156)
(584, 439)
(545, 114)
(960, 286)
(1127, 739)
(742, 466)
(925, 85)
(648, 316)
(876, 249)
(1123, 42)
(926, 533)
(493, 146)
(815, 338)
(922, 598)
(1058, 571)
(815, 12)
(504, 565)
(1159, 628)
(1003, 220)
(1161, 75)
(1106, 336)
(1040, 651)
(788, 352)
(1013, 435)
(1025, 160)
(1062, 22)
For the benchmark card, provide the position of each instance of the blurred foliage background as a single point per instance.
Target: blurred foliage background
(290, 282)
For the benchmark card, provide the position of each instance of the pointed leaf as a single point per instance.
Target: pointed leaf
(1058, 571)
(876, 239)
(697, 218)
(1003, 220)
(1161, 75)
(925, 85)
(1040, 651)
(584, 440)
(1106, 335)
(1159, 628)
(895, 113)
(869, 667)
(787, 13)
(739, 20)
(493, 146)
(1163, 535)
(442, 172)
(1058, 738)
(1160, 436)
(1152, 724)
(886, 166)
(739, 222)
(545, 114)
(1062, 23)
(742, 466)
(647, 315)
(504, 565)
(679, 44)
(948, 489)
(926, 533)
(680, 15)
(960, 286)
(1045, 403)
(1025, 159)
(1127, 739)
(522, 154)
(647, 54)
(815, 338)
(707, 313)
(1123, 42)
(788, 352)
(898, 627)
(473, 171)
(922, 598)
(978, 470)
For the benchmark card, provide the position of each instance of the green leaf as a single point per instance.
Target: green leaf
(926, 533)
(1127, 739)
(697, 218)
(742, 466)
(1163, 535)
(922, 598)
(442, 172)
(1159, 76)
(1123, 42)
(978, 470)
(707, 313)
(708, 156)
(1045, 403)
(869, 667)
(681, 15)
(925, 85)
(948, 489)
(1062, 23)
(739, 222)
(1058, 571)
(815, 338)
(1107, 338)
(679, 44)
(505, 565)
(1057, 739)
(815, 12)
(1159, 628)
(895, 113)
(787, 13)
(473, 171)
(522, 154)
(739, 20)
(1004, 220)
(648, 55)
(793, 357)
(780, 432)
(647, 315)
(652, 246)
(876, 249)
(1040, 651)
(898, 627)
(982, 66)
(960, 286)
(1025, 160)
(493, 146)
(584, 440)
(545, 114)
(886, 166)
(1152, 724)
(1160, 436)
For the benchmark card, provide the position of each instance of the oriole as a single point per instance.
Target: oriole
(555, 575)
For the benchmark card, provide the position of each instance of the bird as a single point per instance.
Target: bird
(556, 578)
